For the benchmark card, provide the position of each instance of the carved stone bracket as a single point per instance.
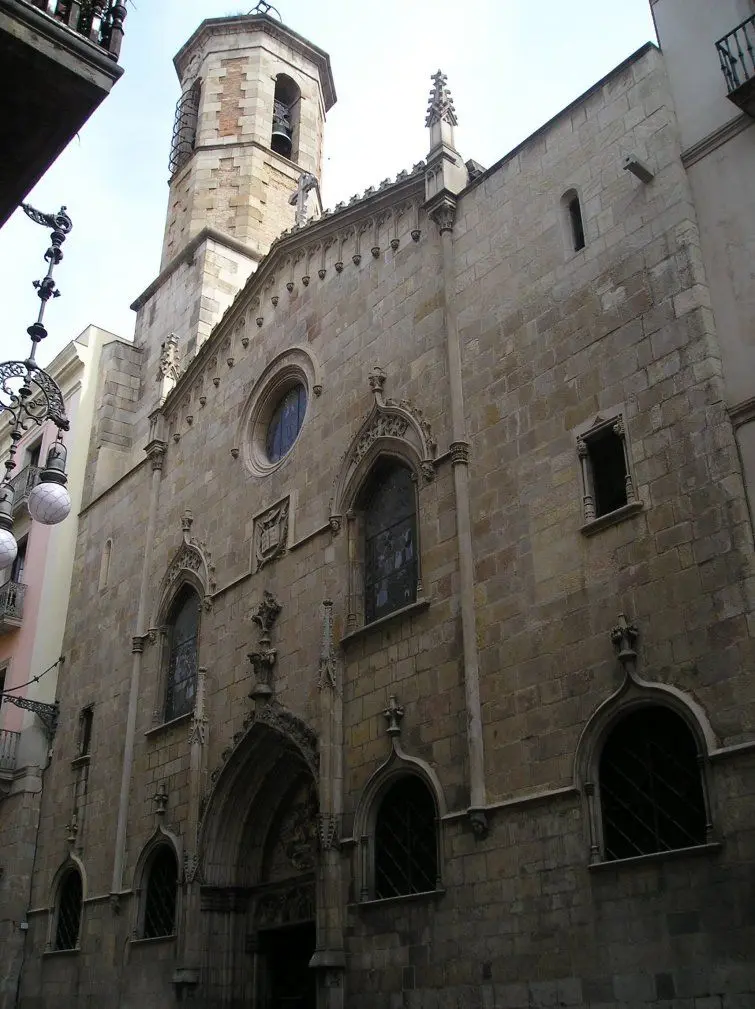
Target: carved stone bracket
(393, 715)
(623, 637)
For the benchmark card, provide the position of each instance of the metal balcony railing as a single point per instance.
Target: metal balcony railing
(8, 749)
(736, 52)
(23, 483)
(99, 21)
(12, 603)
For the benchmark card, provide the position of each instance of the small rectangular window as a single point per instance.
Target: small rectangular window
(607, 484)
(86, 718)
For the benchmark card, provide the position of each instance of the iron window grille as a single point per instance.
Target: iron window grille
(651, 790)
(406, 850)
(160, 899)
(182, 660)
(185, 127)
(68, 922)
(390, 542)
(607, 483)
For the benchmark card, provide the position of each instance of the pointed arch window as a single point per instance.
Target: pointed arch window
(182, 664)
(284, 138)
(161, 894)
(651, 788)
(68, 911)
(389, 507)
(406, 846)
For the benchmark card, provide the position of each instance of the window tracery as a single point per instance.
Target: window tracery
(182, 662)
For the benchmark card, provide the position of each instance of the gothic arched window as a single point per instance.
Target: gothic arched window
(284, 138)
(390, 540)
(406, 848)
(183, 634)
(161, 892)
(68, 911)
(651, 792)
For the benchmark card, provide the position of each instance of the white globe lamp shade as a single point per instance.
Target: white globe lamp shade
(49, 503)
(8, 548)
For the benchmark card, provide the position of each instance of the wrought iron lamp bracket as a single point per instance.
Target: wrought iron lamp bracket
(47, 713)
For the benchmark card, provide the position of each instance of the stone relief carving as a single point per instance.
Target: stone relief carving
(295, 903)
(271, 534)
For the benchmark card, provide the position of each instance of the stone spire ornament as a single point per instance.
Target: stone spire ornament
(441, 106)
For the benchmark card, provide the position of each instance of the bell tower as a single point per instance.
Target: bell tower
(249, 122)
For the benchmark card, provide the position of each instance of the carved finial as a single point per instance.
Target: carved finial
(160, 799)
(624, 635)
(441, 106)
(265, 615)
(168, 366)
(186, 521)
(327, 677)
(72, 829)
(393, 715)
(376, 379)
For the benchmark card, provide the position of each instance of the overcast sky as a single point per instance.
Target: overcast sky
(511, 65)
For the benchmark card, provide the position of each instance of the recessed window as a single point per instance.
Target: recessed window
(70, 894)
(406, 851)
(390, 540)
(86, 720)
(285, 132)
(573, 224)
(183, 637)
(185, 126)
(607, 484)
(651, 792)
(160, 897)
(285, 423)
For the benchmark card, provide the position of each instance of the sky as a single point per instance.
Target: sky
(511, 66)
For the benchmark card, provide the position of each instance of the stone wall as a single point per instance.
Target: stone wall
(524, 916)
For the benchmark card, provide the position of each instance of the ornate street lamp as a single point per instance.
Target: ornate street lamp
(32, 397)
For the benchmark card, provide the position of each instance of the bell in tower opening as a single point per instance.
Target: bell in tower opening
(285, 117)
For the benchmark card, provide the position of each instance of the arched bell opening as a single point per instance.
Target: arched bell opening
(260, 858)
(284, 138)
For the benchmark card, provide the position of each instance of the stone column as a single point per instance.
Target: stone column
(155, 451)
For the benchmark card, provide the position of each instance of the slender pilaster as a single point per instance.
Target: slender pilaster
(156, 451)
(444, 214)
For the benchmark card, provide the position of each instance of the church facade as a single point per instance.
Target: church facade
(420, 675)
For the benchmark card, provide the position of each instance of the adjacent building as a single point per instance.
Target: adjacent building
(419, 673)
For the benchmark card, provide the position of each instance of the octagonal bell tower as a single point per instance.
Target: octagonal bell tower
(250, 120)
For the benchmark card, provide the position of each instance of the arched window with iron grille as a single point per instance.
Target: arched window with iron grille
(406, 846)
(185, 126)
(182, 661)
(160, 894)
(389, 504)
(651, 789)
(68, 911)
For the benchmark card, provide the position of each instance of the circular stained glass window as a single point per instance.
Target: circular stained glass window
(285, 423)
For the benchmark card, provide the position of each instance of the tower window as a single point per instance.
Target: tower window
(284, 139)
(160, 898)
(573, 220)
(606, 478)
(70, 897)
(86, 720)
(185, 127)
(390, 553)
(406, 851)
(182, 656)
(651, 791)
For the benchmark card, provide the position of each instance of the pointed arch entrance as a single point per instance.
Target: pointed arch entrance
(259, 858)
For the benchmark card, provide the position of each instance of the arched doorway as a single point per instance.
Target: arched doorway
(257, 909)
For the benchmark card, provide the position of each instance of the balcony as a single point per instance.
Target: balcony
(736, 53)
(58, 61)
(23, 483)
(11, 605)
(8, 749)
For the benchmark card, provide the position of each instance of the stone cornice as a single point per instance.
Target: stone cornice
(715, 140)
(187, 254)
(298, 245)
(279, 31)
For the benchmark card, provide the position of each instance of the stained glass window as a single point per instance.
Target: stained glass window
(390, 553)
(160, 900)
(286, 422)
(406, 856)
(650, 788)
(69, 911)
(182, 661)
